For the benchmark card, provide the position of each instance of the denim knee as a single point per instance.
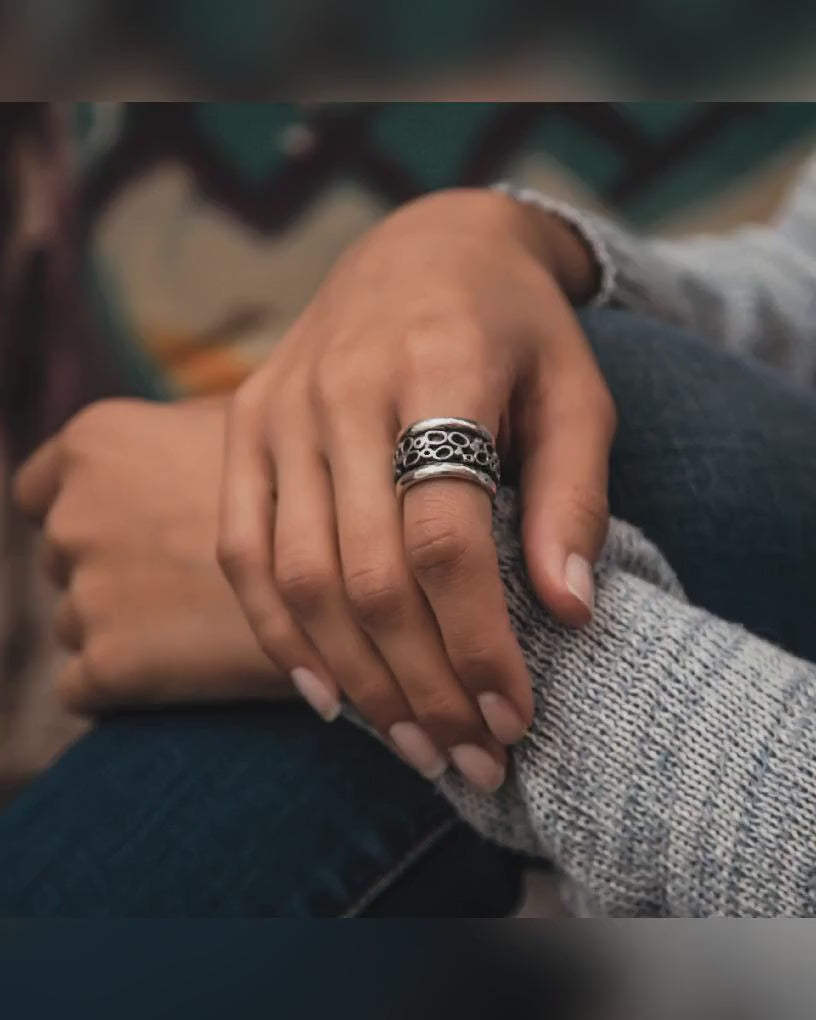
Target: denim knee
(715, 459)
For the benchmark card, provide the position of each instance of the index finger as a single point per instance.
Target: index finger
(37, 481)
(245, 552)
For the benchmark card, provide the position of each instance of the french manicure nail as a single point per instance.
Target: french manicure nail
(501, 717)
(579, 580)
(316, 693)
(478, 767)
(418, 749)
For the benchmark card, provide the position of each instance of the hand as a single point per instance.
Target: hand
(128, 495)
(448, 307)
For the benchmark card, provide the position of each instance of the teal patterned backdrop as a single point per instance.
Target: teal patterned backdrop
(643, 159)
(252, 184)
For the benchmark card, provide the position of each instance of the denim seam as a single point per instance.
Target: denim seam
(386, 880)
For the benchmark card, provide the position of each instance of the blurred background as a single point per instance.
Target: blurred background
(160, 249)
(455, 49)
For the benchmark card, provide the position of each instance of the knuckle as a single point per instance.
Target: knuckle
(455, 325)
(63, 621)
(305, 585)
(72, 691)
(103, 666)
(478, 660)
(81, 593)
(94, 417)
(444, 351)
(334, 384)
(59, 533)
(377, 595)
(275, 635)
(436, 545)
(235, 556)
(421, 350)
(376, 701)
(88, 593)
(445, 718)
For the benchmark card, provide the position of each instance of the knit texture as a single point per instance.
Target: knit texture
(669, 770)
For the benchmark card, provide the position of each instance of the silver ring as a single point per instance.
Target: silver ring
(446, 448)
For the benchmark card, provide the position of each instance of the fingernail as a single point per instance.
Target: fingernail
(478, 767)
(579, 580)
(314, 691)
(418, 749)
(502, 719)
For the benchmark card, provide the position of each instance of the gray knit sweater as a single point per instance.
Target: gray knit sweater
(671, 765)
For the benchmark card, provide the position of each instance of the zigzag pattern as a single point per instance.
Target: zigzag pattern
(347, 143)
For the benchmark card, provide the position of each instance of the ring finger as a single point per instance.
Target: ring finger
(390, 606)
(448, 537)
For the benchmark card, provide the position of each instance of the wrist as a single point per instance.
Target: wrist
(548, 235)
(501, 216)
(564, 250)
(573, 263)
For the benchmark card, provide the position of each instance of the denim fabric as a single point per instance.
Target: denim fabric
(713, 460)
(258, 810)
(245, 810)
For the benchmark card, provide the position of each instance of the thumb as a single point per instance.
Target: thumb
(564, 477)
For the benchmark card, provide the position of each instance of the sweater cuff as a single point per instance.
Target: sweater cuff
(629, 265)
(583, 225)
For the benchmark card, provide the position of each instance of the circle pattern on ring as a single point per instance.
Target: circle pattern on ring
(462, 444)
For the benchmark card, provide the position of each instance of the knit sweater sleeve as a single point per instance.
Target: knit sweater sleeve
(752, 290)
(671, 766)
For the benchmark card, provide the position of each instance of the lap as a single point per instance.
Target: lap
(715, 460)
(264, 810)
(250, 810)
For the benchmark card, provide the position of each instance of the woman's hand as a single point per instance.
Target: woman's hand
(128, 495)
(452, 306)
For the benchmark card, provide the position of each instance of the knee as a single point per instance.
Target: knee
(635, 350)
(654, 371)
(663, 378)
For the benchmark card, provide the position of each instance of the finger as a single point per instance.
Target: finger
(68, 623)
(308, 574)
(448, 537)
(447, 527)
(37, 481)
(565, 444)
(110, 673)
(245, 556)
(390, 606)
(148, 640)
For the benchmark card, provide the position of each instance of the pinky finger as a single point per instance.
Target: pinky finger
(287, 645)
(245, 555)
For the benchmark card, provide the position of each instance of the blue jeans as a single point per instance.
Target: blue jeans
(263, 810)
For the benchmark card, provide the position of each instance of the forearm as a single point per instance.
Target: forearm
(669, 770)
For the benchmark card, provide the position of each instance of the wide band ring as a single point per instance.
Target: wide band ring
(446, 448)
